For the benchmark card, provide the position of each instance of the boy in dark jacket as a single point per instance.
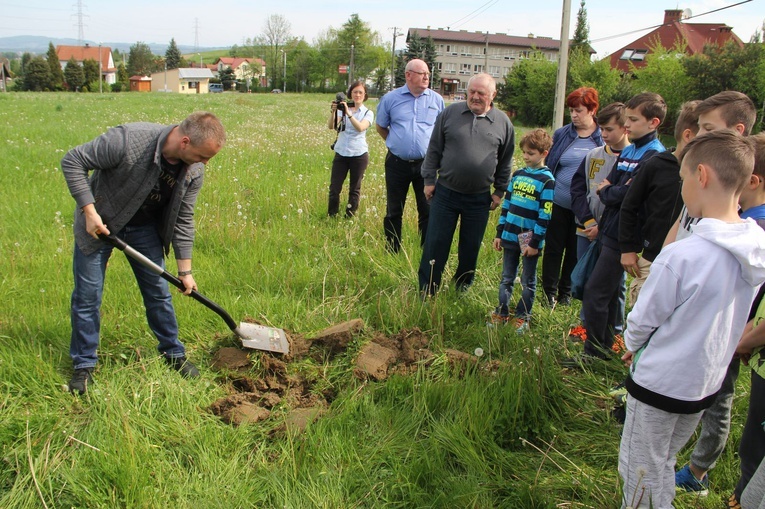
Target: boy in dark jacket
(653, 203)
(645, 112)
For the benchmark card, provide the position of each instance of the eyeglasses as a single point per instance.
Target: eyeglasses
(424, 74)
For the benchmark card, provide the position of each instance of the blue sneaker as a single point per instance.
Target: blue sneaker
(686, 481)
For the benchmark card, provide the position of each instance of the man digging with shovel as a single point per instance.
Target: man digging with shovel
(144, 185)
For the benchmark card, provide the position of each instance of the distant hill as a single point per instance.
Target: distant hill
(39, 45)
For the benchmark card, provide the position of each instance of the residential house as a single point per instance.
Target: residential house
(140, 83)
(461, 54)
(244, 68)
(186, 80)
(97, 53)
(694, 36)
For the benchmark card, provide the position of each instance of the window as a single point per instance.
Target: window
(636, 55)
(450, 68)
(438, 65)
(494, 70)
(465, 69)
(477, 68)
(639, 55)
(627, 54)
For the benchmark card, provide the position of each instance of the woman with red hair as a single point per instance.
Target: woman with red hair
(570, 144)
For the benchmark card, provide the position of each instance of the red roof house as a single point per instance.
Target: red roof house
(693, 35)
(82, 53)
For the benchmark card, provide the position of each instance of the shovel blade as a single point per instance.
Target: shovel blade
(260, 337)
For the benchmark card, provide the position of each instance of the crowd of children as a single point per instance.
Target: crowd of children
(687, 226)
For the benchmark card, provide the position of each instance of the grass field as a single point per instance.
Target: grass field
(524, 434)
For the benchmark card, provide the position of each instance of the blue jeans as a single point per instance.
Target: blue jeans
(446, 207)
(510, 261)
(89, 272)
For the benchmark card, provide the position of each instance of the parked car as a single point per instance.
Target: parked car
(216, 88)
(276, 91)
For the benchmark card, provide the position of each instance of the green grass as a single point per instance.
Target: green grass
(527, 435)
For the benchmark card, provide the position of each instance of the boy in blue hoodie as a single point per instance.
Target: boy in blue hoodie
(683, 331)
(522, 226)
(644, 113)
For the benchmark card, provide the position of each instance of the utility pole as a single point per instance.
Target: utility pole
(560, 87)
(100, 72)
(350, 74)
(486, 54)
(393, 59)
(284, 77)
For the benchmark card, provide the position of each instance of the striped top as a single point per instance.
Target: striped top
(527, 206)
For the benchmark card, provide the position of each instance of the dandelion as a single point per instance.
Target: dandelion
(353, 253)
(300, 211)
(284, 217)
(432, 262)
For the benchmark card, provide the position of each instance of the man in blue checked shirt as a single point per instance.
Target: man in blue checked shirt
(405, 120)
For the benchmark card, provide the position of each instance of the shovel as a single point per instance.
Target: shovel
(258, 337)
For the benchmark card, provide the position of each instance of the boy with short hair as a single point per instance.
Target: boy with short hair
(735, 111)
(681, 336)
(585, 202)
(644, 113)
(653, 203)
(522, 227)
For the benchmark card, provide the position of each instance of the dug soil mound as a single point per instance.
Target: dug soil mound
(261, 385)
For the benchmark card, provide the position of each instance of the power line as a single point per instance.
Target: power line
(476, 12)
(601, 39)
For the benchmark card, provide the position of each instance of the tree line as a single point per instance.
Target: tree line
(529, 88)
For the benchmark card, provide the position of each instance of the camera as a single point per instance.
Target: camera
(340, 98)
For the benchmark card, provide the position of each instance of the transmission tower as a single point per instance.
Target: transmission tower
(196, 34)
(80, 23)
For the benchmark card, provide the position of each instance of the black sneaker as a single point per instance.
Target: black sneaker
(564, 300)
(183, 366)
(81, 378)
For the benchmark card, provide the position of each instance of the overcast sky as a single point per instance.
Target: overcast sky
(227, 22)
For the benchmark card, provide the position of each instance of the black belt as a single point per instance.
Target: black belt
(410, 161)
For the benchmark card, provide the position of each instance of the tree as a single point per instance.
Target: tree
(122, 74)
(140, 60)
(276, 33)
(368, 53)
(422, 48)
(36, 75)
(529, 90)
(56, 74)
(581, 38)
(91, 74)
(227, 76)
(74, 75)
(664, 74)
(173, 55)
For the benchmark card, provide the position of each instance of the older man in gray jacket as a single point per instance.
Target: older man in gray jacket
(143, 188)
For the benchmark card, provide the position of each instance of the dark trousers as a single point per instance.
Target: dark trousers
(399, 175)
(600, 304)
(341, 166)
(447, 206)
(752, 447)
(560, 249)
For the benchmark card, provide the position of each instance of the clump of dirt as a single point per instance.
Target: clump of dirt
(336, 339)
(401, 353)
(232, 359)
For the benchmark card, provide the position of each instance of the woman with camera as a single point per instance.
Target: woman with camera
(351, 121)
